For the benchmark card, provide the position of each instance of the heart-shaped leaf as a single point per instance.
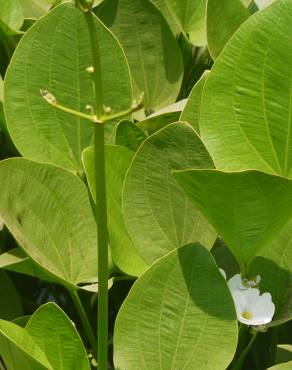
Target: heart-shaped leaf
(56, 336)
(48, 211)
(54, 55)
(118, 160)
(246, 112)
(19, 350)
(248, 209)
(223, 18)
(158, 214)
(152, 52)
(178, 315)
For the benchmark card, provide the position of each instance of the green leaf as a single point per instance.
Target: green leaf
(285, 366)
(191, 112)
(263, 3)
(248, 209)
(48, 211)
(17, 261)
(152, 52)
(22, 320)
(223, 18)
(152, 124)
(1, 89)
(129, 135)
(158, 214)
(187, 16)
(10, 302)
(11, 16)
(225, 260)
(33, 9)
(276, 261)
(284, 353)
(123, 251)
(19, 350)
(54, 55)
(178, 315)
(246, 105)
(57, 337)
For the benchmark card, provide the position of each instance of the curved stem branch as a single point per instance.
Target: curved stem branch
(83, 317)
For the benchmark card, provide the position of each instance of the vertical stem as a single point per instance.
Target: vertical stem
(242, 357)
(83, 317)
(101, 208)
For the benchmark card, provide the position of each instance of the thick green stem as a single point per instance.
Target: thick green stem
(101, 208)
(242, 357)
(84, 320)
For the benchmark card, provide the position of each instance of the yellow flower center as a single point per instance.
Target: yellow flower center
(246, 315)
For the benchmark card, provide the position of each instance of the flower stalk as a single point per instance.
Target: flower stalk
(101, 206)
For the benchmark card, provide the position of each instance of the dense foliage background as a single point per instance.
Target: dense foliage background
(197, 110)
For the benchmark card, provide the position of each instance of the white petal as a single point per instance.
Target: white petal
(223, 273)
(265, 307)
(235, 283)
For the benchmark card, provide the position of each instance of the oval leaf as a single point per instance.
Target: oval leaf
(158, 215)
(152, 52)
(246, 113)
(19, 350)
(56, 336)
(48, 211)
(11, 16)
(54, 55)
(178, 315)
(118, 160)
(223, 18)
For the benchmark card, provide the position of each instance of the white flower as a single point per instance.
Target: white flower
(236, 282)
(1, 223)
(253, 308)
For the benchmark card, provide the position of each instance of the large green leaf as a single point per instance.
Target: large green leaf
(247, 209)
(11, 16)
(19, 351)
(178, 315)
(191, 112)
(153, 55)
(223, 19)
(158, 214)
(54, 55)
(10, 302)
(48, 211)
(187, 16)
(56, 336)
(246, 112)
(118, 160)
